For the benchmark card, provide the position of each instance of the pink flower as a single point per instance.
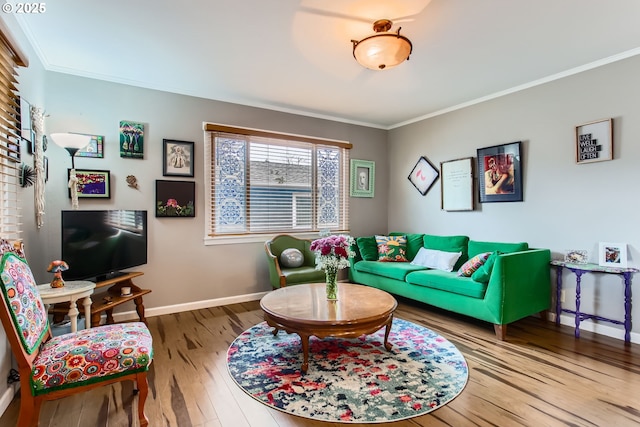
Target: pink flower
(172, 203)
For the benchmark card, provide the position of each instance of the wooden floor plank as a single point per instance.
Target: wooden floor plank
(541, 376)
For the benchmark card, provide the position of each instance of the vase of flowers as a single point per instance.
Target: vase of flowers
(332, 255)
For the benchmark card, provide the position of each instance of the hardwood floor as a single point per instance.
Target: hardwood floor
(541, 376)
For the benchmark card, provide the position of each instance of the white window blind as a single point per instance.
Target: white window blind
(263, 182)
(10, 58)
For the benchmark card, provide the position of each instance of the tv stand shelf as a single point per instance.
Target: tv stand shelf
(110, 298)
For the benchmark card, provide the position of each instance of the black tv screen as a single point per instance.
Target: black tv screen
(99, 244)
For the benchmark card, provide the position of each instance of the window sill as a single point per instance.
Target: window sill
(253, 238)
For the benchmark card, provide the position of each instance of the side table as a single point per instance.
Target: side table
(579, 270)
(70, 292)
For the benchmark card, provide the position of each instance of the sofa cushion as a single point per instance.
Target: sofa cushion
(439, 260)
(469, 267)
(476, 247)
(414, 243)
(392, 270)
(483, 274)
(449, 244)
(368, 248)
(392, 248)
(447, 281)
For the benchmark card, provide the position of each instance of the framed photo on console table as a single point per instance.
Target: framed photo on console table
(612, 255)
(500, 173)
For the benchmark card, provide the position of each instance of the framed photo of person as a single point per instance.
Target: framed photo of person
(363, 178)
(612, 255)
(500, 173)
(177, 158)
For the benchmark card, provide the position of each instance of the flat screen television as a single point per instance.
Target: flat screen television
(99, 244)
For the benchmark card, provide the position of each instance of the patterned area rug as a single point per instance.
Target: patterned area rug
(350, 380)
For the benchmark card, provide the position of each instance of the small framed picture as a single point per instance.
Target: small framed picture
(175, 199)
(500, 173)
(363, 178)
(576, 256)
(177, 158)
(423, 175)
(612, 255)
(94, 149)
(594, 141)
(92, 183)
(13, 151)
(46, 168)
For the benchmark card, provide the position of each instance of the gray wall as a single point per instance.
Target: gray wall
(566, 206)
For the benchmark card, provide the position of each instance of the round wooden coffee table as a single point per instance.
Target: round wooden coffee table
(305, 310)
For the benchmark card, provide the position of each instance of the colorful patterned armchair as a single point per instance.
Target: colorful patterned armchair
(281, 276)
(52, 368)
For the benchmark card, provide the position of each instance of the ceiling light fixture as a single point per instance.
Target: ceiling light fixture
(384, 49)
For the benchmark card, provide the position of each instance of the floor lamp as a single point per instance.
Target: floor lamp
(72, 142)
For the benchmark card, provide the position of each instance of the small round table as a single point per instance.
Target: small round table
(70, 292)
(305, 310)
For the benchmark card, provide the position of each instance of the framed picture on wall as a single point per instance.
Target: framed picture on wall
(363, 178)
(92, 183)
(94, 149)
(175, 199)
(456, 185)
(594, 141)
(423, 175)
(177, 158)
(500, 173)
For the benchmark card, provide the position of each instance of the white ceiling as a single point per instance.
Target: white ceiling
(296, 55)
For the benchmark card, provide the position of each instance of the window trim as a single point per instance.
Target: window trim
(210, 129)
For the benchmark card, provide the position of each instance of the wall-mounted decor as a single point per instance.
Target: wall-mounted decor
(13, 151)
(45, 160)
(363, 178)
(594, 141)
(576, 256)
(423, 175)
(94, 149)
(612, 255)
(500, 173)
(26, 129)
(175, 198)
(178, 157)
(456, 185)
(131, 140)
(92, 183)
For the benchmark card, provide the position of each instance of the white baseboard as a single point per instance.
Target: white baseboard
(595, 327)
(196, 305)
(7, 396)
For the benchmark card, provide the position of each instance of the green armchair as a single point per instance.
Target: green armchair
(281, 276)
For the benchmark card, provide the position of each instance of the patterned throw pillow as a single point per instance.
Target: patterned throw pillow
(469, 267)
(392, 248)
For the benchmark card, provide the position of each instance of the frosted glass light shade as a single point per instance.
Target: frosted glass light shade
(382, 51)
(71, 140)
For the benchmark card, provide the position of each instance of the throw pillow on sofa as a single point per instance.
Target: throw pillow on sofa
(368, 248)
(439, 260)
(483, 274)
(449, 244)
(392, 248)
(469, 267)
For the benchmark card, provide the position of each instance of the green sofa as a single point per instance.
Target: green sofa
(516, 285)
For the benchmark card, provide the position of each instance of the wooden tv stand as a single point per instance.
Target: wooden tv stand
(107, 296)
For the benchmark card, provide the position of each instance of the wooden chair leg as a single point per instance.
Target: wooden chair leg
(28, 416)
(143, 390)
(501, 331)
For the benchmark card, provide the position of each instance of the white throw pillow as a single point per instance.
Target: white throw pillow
(440, 260)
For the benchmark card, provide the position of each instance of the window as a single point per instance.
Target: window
(10, 58)
(263, 183)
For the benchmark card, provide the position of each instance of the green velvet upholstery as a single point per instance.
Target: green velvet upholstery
(281, 276)
(517, 284)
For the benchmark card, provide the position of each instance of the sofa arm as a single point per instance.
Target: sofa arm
(520, 284)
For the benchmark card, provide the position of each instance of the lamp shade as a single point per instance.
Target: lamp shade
(382, 50)
(71, 140)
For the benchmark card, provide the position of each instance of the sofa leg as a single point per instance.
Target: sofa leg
(501, 331)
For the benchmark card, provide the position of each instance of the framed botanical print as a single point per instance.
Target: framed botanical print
(500, 173)
(175, 199)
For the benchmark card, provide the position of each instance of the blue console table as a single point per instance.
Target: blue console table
(579, 270)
